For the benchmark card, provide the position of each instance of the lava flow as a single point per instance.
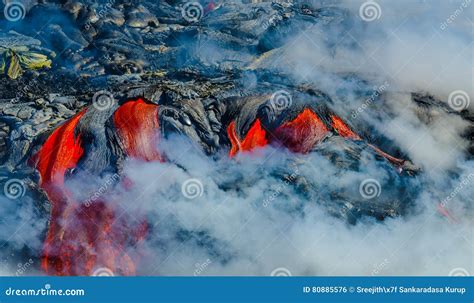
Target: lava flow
(152, 137)
(83, 237)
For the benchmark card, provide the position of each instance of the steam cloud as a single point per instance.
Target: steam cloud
(247, 220)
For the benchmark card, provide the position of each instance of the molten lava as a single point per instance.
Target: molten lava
(256, 137)
(299, 135)
(61, 152)
(303, 133)
(345, 131)
(342, 129)
(83, 237)
(137, 125)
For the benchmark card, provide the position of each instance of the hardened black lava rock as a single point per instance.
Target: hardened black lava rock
(216, 53)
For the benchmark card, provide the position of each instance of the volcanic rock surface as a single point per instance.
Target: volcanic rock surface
(212, 56)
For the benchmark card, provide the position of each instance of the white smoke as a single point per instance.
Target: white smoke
(409, 49)
(247, 219)
(21, 235)
(409, 45)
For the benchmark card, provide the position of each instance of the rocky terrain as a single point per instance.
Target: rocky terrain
(59, 57)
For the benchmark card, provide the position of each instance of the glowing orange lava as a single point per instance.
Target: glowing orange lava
(302, 133)
(299, 135)
(256, 137)
(83, 237)
(137, 125)
(342, 128)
